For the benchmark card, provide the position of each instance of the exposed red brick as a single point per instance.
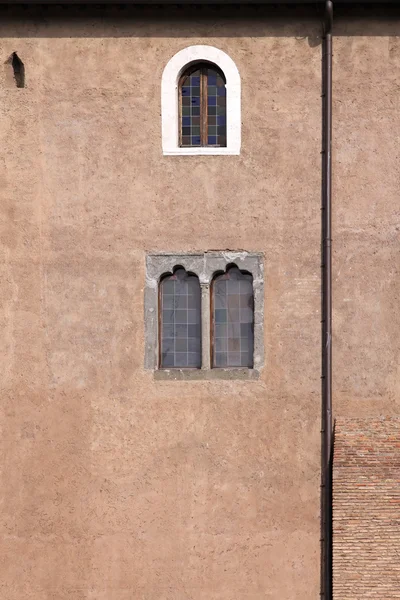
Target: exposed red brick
(366, 509)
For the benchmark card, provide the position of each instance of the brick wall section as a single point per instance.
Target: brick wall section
(366, 509)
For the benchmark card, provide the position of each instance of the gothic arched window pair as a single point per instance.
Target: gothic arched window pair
(232, 320)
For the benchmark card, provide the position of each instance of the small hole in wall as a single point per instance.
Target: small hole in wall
(16, 70)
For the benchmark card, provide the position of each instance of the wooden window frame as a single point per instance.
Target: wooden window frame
(202, 67)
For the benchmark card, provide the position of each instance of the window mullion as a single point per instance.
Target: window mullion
(205, 326)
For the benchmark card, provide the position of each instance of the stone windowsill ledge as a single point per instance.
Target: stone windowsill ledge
(205, 374)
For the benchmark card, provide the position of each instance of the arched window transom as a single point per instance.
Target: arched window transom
(180, 320)
(202, 101)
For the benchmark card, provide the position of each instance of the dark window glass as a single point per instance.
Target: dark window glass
(216, 109)
(190, 109)
(203, 107)
(233, 319)
(180, 321)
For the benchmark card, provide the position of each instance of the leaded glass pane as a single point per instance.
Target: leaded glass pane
(203, 108)
(180, 331)
(233, 319)
(190, 119)
(216, 109)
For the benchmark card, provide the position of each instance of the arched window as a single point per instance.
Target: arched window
(180, 320)
(232, 319)
(202, 101)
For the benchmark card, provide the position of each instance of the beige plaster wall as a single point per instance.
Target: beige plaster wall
(367, 215)
(115, 486)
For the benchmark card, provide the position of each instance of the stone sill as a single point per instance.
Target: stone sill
(202, 151)
(205, 374)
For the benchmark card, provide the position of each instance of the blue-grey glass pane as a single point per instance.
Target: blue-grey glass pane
(168, 287)
(190, 100)
(234, 315)
(234, 345)
(194, 344)
(167, 344)
(246, 315)
(168, 315)
(192, 301)
(220, 330)
(180, 333)
(168, 301)
(180, 315)
(220, 359)
(233, 319)
(233, 286)
(216, 105)
(233, 329)
(220, 315)
(181, 359)
(219, 300)
(180, 330)
(194, 331)
(192, 316)
(181, 345)
(167, 360)
(221, 344)
(234, 359)
(191, 358)
(168, 330)
(246, 329)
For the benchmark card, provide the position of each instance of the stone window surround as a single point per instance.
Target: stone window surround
(205, 266)
(170, 105)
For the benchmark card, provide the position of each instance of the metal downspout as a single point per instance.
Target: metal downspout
(326, 455)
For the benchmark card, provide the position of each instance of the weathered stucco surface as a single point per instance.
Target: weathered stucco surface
(367, 215)
(116, 486)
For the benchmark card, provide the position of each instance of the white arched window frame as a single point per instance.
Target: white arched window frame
(170, 102)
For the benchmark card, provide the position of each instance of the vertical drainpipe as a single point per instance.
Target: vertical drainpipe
(326, 442)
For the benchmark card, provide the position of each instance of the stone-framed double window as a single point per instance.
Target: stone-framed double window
(204, 315)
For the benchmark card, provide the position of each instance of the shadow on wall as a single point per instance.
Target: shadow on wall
(256, 21)
(202, 21)
(376, 19)
(15, 71)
